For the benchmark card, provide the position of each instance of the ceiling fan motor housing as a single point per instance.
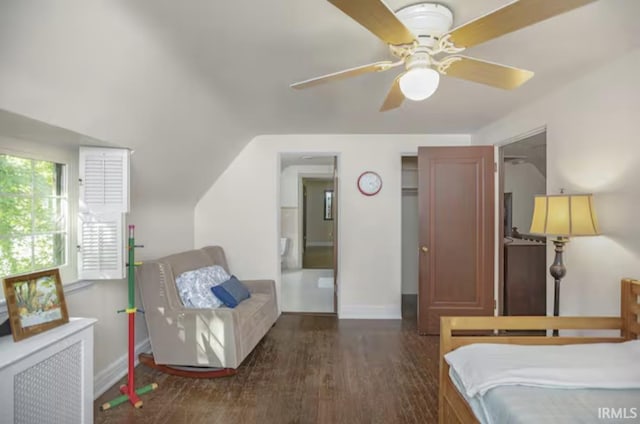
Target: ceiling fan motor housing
(419, 59)
(427, 21)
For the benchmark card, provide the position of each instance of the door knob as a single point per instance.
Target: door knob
(425, 249)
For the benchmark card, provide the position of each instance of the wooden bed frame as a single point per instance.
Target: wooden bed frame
(453, 409)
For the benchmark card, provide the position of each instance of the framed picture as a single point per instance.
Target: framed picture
(328, 205)
(35, 303)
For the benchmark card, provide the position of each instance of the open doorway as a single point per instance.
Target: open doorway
(410, 239)
(523, 271)
(317, 223)
(308, 232)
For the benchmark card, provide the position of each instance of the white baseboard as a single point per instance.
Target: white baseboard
(319, 243)
(116, 370)
(370, 312)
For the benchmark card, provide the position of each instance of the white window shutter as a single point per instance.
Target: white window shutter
(101, 246)
(104, 180)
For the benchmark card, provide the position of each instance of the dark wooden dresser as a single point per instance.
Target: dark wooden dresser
(525, 278)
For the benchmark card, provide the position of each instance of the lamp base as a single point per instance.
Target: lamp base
(558, 270)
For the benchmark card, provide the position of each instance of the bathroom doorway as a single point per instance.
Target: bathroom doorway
(308, 233)
(317, 223)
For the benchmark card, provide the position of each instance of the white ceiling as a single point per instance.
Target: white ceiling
(21, 127)
(187, 84)
(250, 52)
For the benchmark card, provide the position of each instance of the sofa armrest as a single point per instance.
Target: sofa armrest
(261, 286)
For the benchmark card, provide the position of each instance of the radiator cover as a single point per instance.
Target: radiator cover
(48, 378)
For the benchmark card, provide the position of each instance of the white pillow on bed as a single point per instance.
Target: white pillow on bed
(194, 287)
(483, 366)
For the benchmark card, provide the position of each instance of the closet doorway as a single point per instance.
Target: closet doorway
(308, 233)
(410, 240)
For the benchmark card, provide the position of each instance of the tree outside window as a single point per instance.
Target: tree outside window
(33, 215)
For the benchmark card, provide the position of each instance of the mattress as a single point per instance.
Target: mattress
(534, 405)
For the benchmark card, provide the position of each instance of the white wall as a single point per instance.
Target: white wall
(524, 181)
(241, 213)
(592, 147)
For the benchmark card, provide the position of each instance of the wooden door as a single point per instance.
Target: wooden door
(456, 207)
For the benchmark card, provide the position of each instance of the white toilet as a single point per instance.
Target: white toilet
(284, 244)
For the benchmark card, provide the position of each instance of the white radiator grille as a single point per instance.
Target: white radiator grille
(51, 390)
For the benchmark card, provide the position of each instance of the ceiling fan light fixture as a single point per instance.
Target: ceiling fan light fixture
(419, 83)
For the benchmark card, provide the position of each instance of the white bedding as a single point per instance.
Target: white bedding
(478, 368)
(481, 367)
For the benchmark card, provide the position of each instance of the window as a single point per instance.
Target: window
(33, 215)
(328, 205)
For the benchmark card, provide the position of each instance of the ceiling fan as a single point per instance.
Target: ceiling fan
(419, 33)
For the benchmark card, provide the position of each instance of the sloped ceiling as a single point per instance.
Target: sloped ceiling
(187, 84)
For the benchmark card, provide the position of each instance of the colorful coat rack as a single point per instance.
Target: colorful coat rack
(128, 390)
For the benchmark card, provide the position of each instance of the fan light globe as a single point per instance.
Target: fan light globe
(419, 83)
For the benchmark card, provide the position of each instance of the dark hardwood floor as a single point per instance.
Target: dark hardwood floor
(307, 369)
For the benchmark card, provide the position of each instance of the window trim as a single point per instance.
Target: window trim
(65, 155)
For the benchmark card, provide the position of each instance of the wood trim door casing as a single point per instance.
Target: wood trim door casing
(500, 168)
(334, 205)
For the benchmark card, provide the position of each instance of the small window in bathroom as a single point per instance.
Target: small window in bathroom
(328, 205)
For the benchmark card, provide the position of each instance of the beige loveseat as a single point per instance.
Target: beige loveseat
(220, 337)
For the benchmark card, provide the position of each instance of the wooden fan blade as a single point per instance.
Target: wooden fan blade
(376, 16)
(347, 73)
(395, 97)
(509, 18)
(483, 72)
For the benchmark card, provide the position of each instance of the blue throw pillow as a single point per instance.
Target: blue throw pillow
(231, 292)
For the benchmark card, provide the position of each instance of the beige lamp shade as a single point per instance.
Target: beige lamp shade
(564, 215)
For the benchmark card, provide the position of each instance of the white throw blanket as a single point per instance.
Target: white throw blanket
(481, 367)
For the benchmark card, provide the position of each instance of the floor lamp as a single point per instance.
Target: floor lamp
(563, 216)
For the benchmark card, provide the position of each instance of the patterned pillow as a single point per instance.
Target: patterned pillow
(194, 287)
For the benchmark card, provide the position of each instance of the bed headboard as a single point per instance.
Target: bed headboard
(630, 308)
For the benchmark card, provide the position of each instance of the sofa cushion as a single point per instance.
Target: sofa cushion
(231, 292)
(194, 287)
